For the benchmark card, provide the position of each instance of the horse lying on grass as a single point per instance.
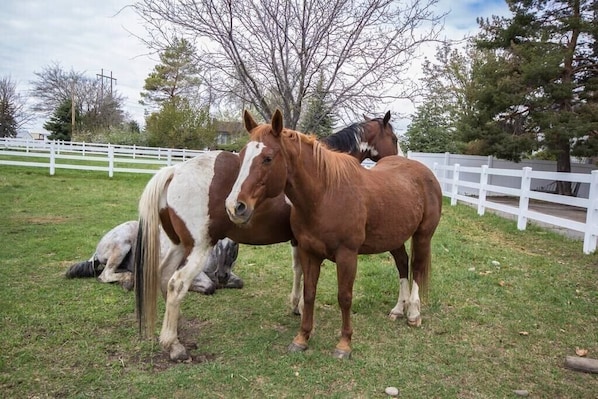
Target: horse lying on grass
(113, 261)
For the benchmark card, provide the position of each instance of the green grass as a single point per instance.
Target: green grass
(78, 339)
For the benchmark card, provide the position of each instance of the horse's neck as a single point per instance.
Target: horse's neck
(304, 183)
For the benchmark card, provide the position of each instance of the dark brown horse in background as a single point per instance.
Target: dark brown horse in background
(187, 200)
(340, 210)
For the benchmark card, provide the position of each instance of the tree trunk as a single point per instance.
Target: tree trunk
(563, 164)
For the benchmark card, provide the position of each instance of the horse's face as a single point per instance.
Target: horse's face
(381, 138)
(263, 169)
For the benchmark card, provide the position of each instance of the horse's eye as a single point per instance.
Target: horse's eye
(267, 160)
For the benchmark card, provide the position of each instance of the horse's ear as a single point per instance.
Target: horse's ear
(277, 124)
(250, 123)
(367, 119)
(386, 118)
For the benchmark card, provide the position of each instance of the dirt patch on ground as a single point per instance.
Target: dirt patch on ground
(41, 219)
(159, 360)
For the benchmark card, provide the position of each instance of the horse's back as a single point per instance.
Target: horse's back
(403, 198)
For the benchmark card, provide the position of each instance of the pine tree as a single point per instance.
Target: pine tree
(317, 118)
(541, 89)
(179, 120)
(175, 77)
(60, 123)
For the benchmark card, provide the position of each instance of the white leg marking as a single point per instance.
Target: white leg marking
(297, 292)
(413, 310)
(399, 310)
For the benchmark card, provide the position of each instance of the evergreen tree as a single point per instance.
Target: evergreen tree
(179, 120)
(8, 123)
(175, 77)
(430, 131)
(60, 123)
(317, 118)
(448, 111)
(540, 91)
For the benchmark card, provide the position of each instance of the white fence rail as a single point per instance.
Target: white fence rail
(481, 196)
(467, 183)
(105, 157)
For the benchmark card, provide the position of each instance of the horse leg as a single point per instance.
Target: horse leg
(234, 281)
(297, 291)
(178, 285)
(203, 284)
(346, 269)
(310, 265)
(421, 252)
(402, 263)
(109, 274)
(169, 264)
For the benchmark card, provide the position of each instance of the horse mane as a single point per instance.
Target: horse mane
(345, 140)
(332, 166)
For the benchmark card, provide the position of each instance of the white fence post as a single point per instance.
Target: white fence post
(110, 160)
(526, 182)
(483, 190)
(169, 157)
(591, 234)
(52, 157)
(455, 187)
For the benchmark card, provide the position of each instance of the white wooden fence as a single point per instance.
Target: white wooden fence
(104, 157)
(470, 184)
(452, 184)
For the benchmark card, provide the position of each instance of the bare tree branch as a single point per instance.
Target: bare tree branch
(14, 113)
(272, 53)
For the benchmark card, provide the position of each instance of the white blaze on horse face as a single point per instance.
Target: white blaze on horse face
(252, 150)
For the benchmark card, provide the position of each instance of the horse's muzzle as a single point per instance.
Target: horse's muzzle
(240, 213)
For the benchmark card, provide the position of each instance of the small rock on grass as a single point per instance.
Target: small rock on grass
(521, 392)
(392, 391)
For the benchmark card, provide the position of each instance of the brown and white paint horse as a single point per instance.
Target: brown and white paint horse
(339, 210)
(187, 200)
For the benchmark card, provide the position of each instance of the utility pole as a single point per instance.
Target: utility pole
(102, 77)
(72, 107)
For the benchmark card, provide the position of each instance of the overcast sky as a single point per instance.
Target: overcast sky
(88, 36)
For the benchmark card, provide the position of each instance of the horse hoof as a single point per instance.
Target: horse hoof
(296, 312)
(395, 316)
(341, 354)
(128, 285)
(416, 322)
(178, 353)
(293, 347)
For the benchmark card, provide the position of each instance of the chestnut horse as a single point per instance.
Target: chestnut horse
(339, 210)
(187, 200)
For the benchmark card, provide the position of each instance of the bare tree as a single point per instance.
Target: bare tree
(13, 108)
(54, 86)
(272, 53)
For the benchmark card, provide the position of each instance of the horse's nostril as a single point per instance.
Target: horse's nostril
(240, 208)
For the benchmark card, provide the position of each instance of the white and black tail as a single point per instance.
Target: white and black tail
(147, 250)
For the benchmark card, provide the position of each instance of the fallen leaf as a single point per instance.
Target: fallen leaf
(581, 352)
(501, 283)
(524, 333)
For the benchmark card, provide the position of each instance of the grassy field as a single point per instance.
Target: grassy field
(504, 309)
